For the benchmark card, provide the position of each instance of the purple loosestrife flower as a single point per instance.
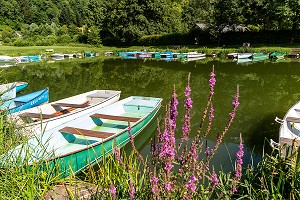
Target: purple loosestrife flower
(239, 159)
(120, 158)
(113, 191)
(238, 165)
(186, 128)
(210, 120)
(167, 145)
(131, 190)
(212, 82)
(154, 182)
(153, 147)
(173, 109)
(190, 185)
(214, 179)
(211, 113)
(207, 151)
(168, 186)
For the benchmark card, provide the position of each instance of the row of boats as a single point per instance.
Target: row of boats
(75, 132)
(167, 56)
(7, 61)
(192, 56)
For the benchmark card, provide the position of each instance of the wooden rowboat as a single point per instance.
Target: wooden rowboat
(289, 132)
(72, 146)
(47, 116)
(25, 102)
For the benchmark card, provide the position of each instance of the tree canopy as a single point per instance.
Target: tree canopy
(128, 20)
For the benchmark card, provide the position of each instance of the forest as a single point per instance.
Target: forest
(48, 22)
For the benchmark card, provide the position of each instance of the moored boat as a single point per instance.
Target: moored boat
(193, 59)
(7, 91)
(131, 55)
(244, 55)
(143, 55)
(260, 56)
(26, 101)
(195, 55)
(77, 144)
(232, 55)
(289, 132)
(167, 54)
(277, 55)
(20, 85)
(47, 116)
(57, 56)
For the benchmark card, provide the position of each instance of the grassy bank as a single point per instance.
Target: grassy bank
(37, 50)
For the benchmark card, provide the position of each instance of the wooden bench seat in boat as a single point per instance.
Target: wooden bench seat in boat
(83, 105)
(113, 117)
(37, 115)
(293, 119)
(85, 132)
(97, 118)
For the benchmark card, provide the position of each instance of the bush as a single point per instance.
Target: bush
(64, 39)
(21, 42)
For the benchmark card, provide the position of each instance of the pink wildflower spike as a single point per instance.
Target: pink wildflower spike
(186, 128)
(113, 191)
(173, 109)
(131, 190)
(238, 165)
(239, 159)
(190, 185)
(167, 145)
(214, 179)
(212, 82)
(154, 183)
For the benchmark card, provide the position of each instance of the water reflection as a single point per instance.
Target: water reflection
(267, 90)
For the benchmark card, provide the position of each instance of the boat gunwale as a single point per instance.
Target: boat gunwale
(158, 105)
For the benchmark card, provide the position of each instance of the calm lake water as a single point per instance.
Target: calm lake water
(267, 90)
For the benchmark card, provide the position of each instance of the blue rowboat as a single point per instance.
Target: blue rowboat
(85, 140)
(20, 86)
(131, 55)
(26, 101)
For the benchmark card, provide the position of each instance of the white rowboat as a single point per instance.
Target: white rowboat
(47, 116)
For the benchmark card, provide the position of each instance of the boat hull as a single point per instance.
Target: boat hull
(26, 101)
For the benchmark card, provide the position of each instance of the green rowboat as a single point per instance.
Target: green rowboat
(84, 141)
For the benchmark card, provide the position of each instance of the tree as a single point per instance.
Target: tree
(94, 36)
